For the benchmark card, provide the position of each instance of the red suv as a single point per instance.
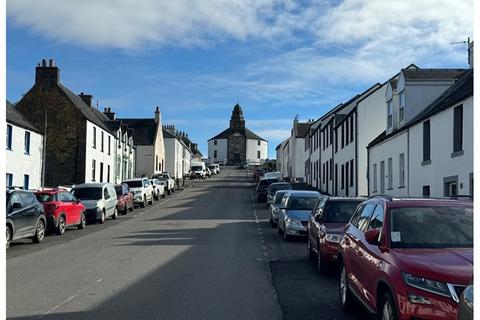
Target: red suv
(124, 198)
(407, 258)
(325, 229)
(62, 209)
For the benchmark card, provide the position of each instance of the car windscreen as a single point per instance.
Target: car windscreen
(339, 211)
(45, 197)
(274, 187)
(431, 227)
(211, 167)
(87, 193)
(302, 203)
(266, 182)
(197, 168)
(278, 197)
(134, 184)
(118, 190)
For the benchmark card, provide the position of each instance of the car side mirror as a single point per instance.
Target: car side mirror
(372, 235)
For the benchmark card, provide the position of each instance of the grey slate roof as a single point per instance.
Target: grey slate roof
(91, 114)
(144, 130)
(14, 117)
(419, 74)
(459, 91)
(229, 131)
(302, 129)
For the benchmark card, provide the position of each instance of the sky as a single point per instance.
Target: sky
(197, 59)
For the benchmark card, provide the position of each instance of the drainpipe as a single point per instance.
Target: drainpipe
(356, 152)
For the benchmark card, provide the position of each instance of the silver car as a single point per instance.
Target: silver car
(296, 209)
(273, 188)
(275, 207)
(99, 199)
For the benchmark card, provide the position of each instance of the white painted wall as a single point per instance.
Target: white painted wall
(441, 144)
(253, 147)
(19, 164)
(98, 155)
(344, 155)
(145, 161)
(124, 157)
(222, 150)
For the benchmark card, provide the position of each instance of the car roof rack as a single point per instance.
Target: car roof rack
(383, 196)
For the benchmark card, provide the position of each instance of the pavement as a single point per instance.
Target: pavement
(205, 252)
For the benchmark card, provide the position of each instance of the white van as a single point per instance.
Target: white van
(197, 170)
(99, 199)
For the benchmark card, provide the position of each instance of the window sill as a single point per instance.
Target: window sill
(457, 154)
(426, 162)
(389, 188)
(401, 187)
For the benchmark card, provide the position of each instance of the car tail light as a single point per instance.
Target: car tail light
(51, 207)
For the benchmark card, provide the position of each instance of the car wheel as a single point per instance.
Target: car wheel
(279, 230)
(39, 232)
(115, 213)
(388, 311)
(144, 203)
(163, 195)
(169, 191)
(131, 207)
(102, 217)
(310, 253)
(83, 221)
(151, 200)
(61, 226)
(344, 291)
(8, 237)
(286, 237)
(321, 263)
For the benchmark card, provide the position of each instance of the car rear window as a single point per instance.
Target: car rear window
(45, 197)
(197, 168)
(134, 184)
(87, 193)
(431, 227)
(302, 203)
(284, 186)
(339, 211)
(278, 197)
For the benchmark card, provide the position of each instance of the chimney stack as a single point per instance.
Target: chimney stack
(108, 112)
(47, 76)
(157, 115)
(87, 98)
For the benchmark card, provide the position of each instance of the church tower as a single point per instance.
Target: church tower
(237, 121)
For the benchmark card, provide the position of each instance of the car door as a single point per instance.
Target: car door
(63, 204)
(30, 212)
(107, 203)
(74, 209)
(17, 215)
(314, 224)
(113, 197)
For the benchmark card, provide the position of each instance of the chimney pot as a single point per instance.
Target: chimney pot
(51, 63)
(44, 63)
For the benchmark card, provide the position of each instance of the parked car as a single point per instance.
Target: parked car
(465, 306)
(274, 187)
(214, 168)
(197, 171)
(275, 174)
(276, 206)
(258, 173)
(167, 181)
(25, 217)
(158, 188)
(142, 191)
(297, 205)
(262, 188)
(407, 258)
(62, 210)
(325, 229)
(99, 199)
(208, 172)
(124, 198)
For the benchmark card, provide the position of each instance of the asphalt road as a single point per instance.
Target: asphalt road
(206, 252)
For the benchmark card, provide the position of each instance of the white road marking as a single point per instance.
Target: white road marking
(58, 305)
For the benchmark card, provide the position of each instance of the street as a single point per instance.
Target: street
(206, 252)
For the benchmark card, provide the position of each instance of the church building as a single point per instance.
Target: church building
(236, 144)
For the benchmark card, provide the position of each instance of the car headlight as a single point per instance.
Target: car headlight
(138, 192)
(432, 286)
(333, 237)
(293, 221)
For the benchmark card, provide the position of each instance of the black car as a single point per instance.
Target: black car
(262, 188)
(25, 217)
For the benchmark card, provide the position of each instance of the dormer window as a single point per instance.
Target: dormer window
(389, 114)
(401, 114)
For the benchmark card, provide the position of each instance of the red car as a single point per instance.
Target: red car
(325, 229)
(62, 209)
(124, 198)
(407, 258)
(258, 173)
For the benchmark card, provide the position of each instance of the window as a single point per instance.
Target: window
(323, 173)
(351, 128)
(343, 177)
(108, 173)
(258, 154)
(426, 191)
(389, 114)
(351, 173)
(331, 168)
(382, 177)
(94, 137)
(101, 172)
(157, 164)
(426, 142)
(93, 170)
(458, 129)
(9, 181)
(390, 173)
(347, 167)
(401, 166)
(63, 197)
(326, 171)
(109, 144)
(374, 177)
(26, 145)
(364, 217)
(101, 141)
(258, 142)
(106, 195)
(450, 188)
(401, 113)
(214, 142)
(9, 137)
(214, 153)
(336, 140)
(376, 222)
(347, 130)
(336, 179)
(343, 134)
(26, 181)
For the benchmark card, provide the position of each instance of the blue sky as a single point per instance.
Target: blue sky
(197, 59)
